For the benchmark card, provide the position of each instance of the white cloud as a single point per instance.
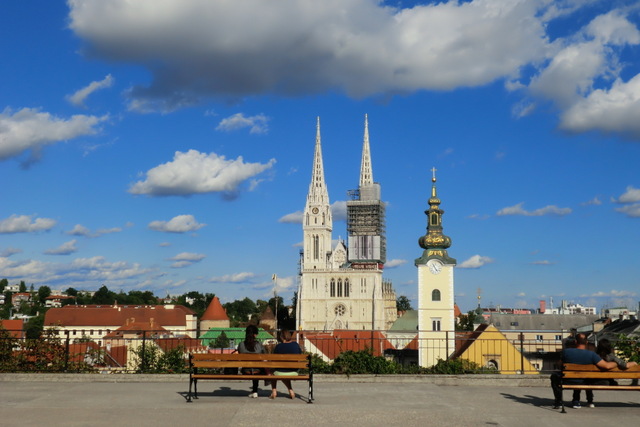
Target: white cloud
(30, 130)
(65, 249)
(296, 47)
(257, 124)
(80, 273)
(185, 259)
(81, 230)
(177, 224)
(194, 172)
(610, 110)
(395, 263)
(25, 224)
(542, 262)
(631, 195)
(632, 199)
(81, 95)
(10, 251)
(547, 210)
(583, 63)
(593, 202)
(476, 261)
(292, 218)
(612, 293)
(632, 211)
(339, 210)
(233, 278)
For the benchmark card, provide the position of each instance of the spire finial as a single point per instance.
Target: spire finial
(433, 171)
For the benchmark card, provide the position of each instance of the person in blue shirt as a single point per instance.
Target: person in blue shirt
(287, 346)
(580, 355)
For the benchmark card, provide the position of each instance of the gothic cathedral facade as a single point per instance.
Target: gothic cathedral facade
(436, 323)
(341, 284)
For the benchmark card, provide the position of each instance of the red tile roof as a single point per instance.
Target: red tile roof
(335, 342)
(15, 327)
(113, 315)
(215, 311)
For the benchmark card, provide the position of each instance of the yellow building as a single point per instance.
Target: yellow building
(489, 347)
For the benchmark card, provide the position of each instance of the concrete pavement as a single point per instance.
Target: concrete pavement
(106, 400)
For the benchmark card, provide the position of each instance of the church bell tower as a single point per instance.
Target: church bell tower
(436, 323)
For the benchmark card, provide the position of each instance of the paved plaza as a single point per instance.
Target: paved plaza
(86, 400)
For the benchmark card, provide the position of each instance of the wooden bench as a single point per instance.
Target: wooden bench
(210, 366)
(573, 371)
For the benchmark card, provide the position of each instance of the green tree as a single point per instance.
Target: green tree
(222, 341)
(239, 311)
(23, 287)
(628, 348)
(103, 296)
(43, 293)
(35, 326)
(403, 303)
(3, 284)
(72, 292)
(466, 322)
(8, 344)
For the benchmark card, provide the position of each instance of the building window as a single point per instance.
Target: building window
(346, 287)
(435, 295)
(435, 324)
(340, 310)
(316, 247)
(539, 338)
(514, 323)
(340, 288)
(558, 337)
(333, 288)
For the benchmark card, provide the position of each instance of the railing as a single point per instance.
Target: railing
(164, 352)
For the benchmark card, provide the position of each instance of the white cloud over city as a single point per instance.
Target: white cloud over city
(177, 224)
(303, 47)
(30, 130)
(194, 172)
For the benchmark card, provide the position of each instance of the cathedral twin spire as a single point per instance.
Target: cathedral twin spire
(318, 193)
(366, 173)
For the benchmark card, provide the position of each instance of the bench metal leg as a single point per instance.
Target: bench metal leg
(189, 395)
(310, 397)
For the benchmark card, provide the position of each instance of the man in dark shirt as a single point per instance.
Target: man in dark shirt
(581, 356)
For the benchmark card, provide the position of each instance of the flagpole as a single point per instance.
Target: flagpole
(275, 296)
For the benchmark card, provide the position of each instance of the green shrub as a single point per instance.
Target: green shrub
(363, 362)
(454, 367)
(628, 348)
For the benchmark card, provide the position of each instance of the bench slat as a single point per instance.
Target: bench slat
(247, 377)
(251, 364)
(600, 374)
(599, 387)
(594, 368)
(247, 356)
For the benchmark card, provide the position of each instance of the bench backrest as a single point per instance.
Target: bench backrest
(249, 360)
(574, 370)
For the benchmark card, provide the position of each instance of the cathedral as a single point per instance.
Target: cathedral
(341, 284)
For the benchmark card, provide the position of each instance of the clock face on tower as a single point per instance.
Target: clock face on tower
(435, 266)
(314, 210)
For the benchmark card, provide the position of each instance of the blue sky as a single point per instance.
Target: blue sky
(167, 145)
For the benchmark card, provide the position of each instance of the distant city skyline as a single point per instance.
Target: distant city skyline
(168, 146)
